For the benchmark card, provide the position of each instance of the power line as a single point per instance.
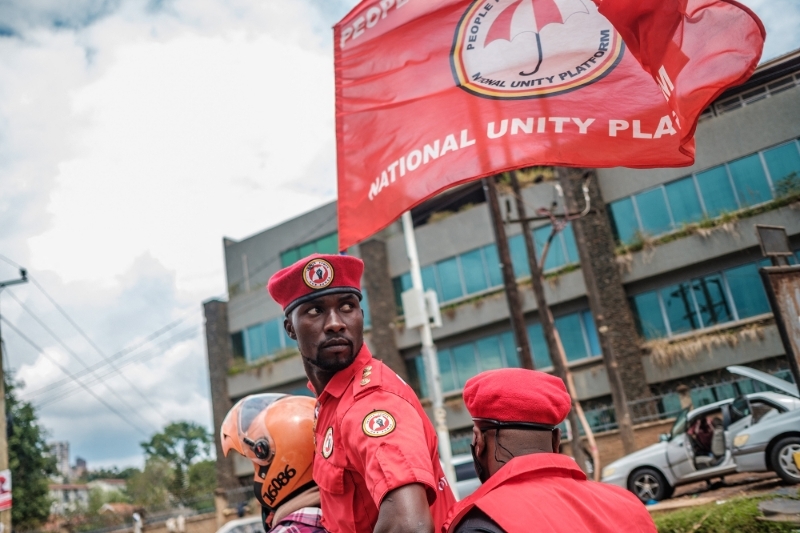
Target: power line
(80, 360)
(120, 354)
(96, 348)
(142, 357)
(67, 372)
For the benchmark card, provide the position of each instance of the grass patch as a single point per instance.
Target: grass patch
(737, 515)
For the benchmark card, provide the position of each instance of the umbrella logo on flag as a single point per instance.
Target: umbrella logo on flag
(532, 48)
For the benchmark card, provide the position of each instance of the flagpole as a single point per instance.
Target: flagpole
(431, 361)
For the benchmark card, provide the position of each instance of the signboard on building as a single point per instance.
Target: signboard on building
(5, 490)
(783, 289)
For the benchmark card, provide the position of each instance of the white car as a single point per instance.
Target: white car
(248, 524)
(467, 480)
(683, 457)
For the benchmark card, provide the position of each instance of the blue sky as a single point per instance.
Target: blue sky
(134, 135)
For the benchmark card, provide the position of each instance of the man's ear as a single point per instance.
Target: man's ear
(289, 327)
(556, 440)
(478, 441)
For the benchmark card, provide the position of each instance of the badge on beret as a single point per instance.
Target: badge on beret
(318, 274)
(378, 424)
(327, 444)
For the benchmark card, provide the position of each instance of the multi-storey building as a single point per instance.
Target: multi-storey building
(686, 250)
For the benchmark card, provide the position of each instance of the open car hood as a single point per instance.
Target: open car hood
(766, 379)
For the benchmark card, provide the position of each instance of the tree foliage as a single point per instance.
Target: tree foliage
(181, 445)
(148, 488)
(30, 462)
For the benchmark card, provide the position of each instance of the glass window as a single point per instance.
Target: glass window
(680, 308)
(493, 264)
(712, 303)
(647, 313)
(701, 397)
(510, 349)
(417, 370)
(750, 181)
(365, 308)
(446, 370)
(489, 353)
(623, 219)
(591, 333)
(474, 271)
(556, 254)
(465, 362)
(255, 342)
(541, 355)
(783, 162)
(653, 212)
(571, 333)
(725, 391)
(671, 404)
(747, 290)
(273, 334)
(401, 284)
(450, 279)
(571, 247)
(716, 190)
(328, 244)
(290, 257)
(308, 249)
(429, 280)
(519, 256)
(683, 201)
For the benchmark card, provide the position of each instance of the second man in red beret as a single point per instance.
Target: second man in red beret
(527, 485)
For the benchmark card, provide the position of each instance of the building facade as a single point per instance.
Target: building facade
(686, 251)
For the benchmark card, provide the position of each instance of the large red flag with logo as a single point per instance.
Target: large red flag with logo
(432, 93)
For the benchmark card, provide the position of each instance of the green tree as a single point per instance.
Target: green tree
(181, 444)
(148, 488)
(30, 462)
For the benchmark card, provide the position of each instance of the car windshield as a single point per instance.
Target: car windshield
(679, 427)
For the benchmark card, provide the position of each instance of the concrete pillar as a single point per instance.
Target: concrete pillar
(607, 299)
(382, 312)
(220, 357)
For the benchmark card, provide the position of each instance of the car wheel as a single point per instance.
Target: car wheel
(783, 459)
(649, 484)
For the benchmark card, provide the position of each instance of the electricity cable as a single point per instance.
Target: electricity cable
(81, 361)
(67, 372)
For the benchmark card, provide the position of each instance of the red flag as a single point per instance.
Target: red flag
(433, 93)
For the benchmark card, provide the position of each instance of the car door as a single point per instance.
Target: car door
(738, 417)
(680, 455)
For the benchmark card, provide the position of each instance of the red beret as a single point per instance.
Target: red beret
(315, 276)
(517, 395)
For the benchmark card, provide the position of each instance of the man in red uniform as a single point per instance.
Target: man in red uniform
(376, 455)
(527, 485)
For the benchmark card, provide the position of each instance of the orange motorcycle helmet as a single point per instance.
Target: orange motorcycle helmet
(276, 433)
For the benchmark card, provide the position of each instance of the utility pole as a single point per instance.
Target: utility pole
(551, 337)
(5, 515)
(608, 301)
(509, 279)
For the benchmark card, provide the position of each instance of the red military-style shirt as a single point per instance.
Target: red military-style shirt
(372, 436)
(548, 492)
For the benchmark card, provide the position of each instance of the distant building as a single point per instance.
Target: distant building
(107, 485)
(67, 497)
(80, 468)
(60, 450)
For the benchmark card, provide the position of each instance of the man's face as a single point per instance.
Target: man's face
(329, 330)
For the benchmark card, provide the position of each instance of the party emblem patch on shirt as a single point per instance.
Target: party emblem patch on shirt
(378, 424)
(318, 274)
(327, 444)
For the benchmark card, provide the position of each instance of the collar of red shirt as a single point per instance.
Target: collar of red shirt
(338, 384)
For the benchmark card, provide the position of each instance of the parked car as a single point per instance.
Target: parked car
(467, 480)
(701, 443)
(772, 442)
